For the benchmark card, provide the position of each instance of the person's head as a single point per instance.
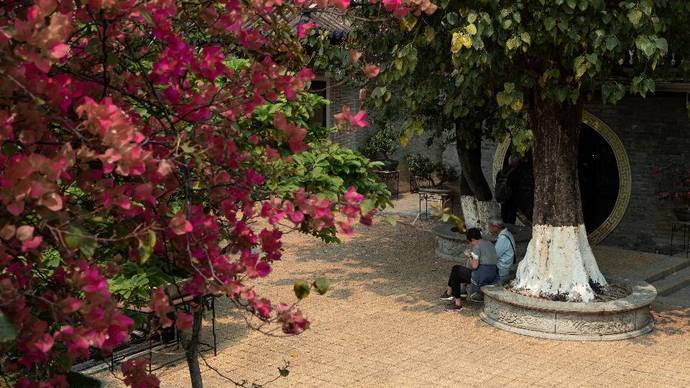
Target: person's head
(496, 226)
(474, 235)
(514, 160)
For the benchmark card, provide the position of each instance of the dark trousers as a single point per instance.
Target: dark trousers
(459, 275)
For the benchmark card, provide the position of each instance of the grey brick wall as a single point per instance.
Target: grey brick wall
(651, 130)
(344, 95)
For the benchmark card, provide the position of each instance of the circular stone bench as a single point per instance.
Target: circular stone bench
(450, 245)
(596, 321)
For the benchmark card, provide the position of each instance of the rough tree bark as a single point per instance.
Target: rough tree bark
(559, 261)
(476, 198)
(191, 347)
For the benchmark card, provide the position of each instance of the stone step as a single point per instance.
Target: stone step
(664, 272)
(673, 282)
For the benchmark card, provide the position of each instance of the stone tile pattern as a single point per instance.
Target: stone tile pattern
(382, 326)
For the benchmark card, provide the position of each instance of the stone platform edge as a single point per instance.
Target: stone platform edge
(598, 321)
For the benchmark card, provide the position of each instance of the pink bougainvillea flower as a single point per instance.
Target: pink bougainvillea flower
(262, 307)
(161, 306)
(391, 5)
(370, 70)
(360, 119)
(32, 244)
(352, 196)
(344, 116)
(45, 343)
(184, 320)
(25, 232)
(354, 56)
(263, 269)
(303, 29)
(341, 4)
(179, 224)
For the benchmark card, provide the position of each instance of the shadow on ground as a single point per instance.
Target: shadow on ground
(394, 261)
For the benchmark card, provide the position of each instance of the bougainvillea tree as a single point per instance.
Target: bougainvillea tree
(130, 145)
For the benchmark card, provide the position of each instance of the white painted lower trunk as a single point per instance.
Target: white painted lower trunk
(485, 211)
(469, 211)
(477, 213)
(559, 261)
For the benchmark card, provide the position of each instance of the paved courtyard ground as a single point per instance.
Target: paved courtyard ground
(382, 325)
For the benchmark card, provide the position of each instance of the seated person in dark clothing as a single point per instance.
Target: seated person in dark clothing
(480, 270)
(514, 189)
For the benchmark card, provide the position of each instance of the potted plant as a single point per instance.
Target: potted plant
(425, 173)
(381, 145)
(674, 186)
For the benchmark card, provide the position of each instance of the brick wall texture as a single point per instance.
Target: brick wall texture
(652, 130)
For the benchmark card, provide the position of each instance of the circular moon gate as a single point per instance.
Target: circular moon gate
(605, 186)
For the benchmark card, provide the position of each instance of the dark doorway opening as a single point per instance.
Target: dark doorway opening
(598, 175)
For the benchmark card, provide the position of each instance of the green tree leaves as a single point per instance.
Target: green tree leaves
(302, 289)
(81, 240)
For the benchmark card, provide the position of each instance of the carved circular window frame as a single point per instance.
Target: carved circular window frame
(624, 175)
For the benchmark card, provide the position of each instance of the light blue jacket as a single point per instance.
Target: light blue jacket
(505, 249)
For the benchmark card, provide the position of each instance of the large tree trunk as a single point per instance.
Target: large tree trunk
(559, 261)
(191, 347)
(476, 199)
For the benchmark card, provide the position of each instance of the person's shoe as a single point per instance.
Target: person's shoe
(445, 297)
(463, 295)
(477, 297)
(453, 308)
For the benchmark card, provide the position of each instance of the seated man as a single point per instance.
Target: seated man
(482, 270)
(505, 248)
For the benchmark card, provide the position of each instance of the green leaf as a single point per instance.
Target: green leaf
(77, 238)
(611, 43)
(459, 41)
(526, 37)
(322, 285)
(635, 15)
(512, 43)
(301, 289)
(367, 205)
(452, 18)
(7, 331)
(662, 45)
(472, 17)
(581, 65)
(146, 246)
(471, 29)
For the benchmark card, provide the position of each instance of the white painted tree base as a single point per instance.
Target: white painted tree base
(559, 261)
(485, 211)
(477, 213)
(469, 211)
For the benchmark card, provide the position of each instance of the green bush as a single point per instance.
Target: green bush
(381, 144)
(420, 166)
(436, 172)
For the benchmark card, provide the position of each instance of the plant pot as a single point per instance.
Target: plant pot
(682, 213)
